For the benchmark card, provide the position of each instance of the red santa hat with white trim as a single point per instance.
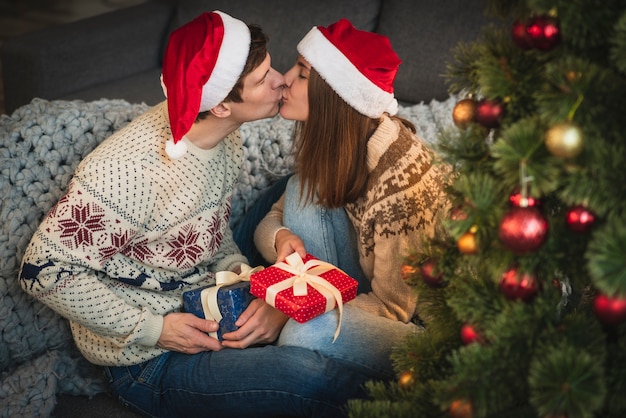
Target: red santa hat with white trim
(202, 63)
(360, 66)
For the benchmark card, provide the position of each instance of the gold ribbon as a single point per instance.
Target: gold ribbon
(303, 274)
(208, 296)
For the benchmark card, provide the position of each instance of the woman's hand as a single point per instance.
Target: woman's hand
(286, 243)
(259, 324)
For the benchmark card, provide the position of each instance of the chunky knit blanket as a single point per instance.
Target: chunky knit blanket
(40, 145)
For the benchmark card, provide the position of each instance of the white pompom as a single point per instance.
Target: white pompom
(392, 108)
(175, 150)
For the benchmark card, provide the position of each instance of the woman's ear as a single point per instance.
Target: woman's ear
(222, 110)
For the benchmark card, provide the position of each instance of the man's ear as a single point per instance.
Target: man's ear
(222, 110)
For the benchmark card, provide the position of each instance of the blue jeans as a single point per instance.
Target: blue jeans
(328, 234)
(255, 382)
(243, 232)
(366, 340)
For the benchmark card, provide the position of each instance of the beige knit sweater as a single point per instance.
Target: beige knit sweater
(405, 198)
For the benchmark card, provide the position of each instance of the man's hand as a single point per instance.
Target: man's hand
(187, 333)
(260, 323)
(287, 242)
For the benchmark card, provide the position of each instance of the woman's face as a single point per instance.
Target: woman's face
(295, 104)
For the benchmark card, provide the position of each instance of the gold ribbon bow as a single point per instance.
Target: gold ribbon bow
(208, 296)
(303, 274)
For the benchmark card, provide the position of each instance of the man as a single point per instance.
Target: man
(146, 218)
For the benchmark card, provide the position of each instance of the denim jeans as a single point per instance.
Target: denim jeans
(243, 232)
(366, 340)
(328, 234)
(255, 382)
(269, 381)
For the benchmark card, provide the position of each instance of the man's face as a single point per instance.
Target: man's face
(261, 94)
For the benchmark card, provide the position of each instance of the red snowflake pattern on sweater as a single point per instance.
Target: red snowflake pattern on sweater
(117, 241)
(139, 251)
(185, 247)
(78, 229)
(62, 201)
(215, 234)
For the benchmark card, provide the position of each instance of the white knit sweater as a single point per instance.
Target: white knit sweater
(135, 230)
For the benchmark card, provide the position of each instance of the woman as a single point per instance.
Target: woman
(364, 193)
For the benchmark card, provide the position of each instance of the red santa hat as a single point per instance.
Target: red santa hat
(202, 63)
(360, 66)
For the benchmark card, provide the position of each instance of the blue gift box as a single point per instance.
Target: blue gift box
(232, 301)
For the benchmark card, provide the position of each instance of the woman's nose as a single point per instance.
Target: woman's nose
(289, 77)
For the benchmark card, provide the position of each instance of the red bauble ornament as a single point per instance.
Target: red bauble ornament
(469, 334)
(516, 199)
(461, 408)
(544, 32)
(431, 275)
(490, 112)
(520, 36)
(515, 285)
(523, 229)
(458, 214)
(580, 219)
(609, 310)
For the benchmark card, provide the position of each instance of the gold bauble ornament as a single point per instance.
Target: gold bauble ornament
(407, 271)
(464, 113)
(467, 243)
(564, 140)
(406, 379)
(573, 76)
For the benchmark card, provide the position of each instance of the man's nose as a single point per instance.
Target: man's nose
(279, 79)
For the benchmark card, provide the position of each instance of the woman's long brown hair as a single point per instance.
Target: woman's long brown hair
(331, 147)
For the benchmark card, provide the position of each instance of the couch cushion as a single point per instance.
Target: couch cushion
(423, 33)
(143, 87)
(286, 22)
(74, 56)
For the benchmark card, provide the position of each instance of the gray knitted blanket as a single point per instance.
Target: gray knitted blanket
(40, 145)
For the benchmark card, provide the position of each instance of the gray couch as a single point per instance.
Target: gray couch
(118, 55)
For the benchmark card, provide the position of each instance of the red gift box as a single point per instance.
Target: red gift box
(303, 288)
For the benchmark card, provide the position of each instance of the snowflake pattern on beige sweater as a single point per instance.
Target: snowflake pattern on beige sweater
(404, 201)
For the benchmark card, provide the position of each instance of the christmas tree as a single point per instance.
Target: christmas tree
(523, 291)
